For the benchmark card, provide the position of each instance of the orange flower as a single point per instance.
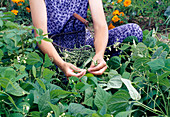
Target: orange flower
(118, 1)
(15, 11)
(113, 3)
(28, 9)
(127, 3)
(121, 22)
(16, 1)
(19, 4)
(116, 12)
(121, 13)
(111, 26)
(115, 19)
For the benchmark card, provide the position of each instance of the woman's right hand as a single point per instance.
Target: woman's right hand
(71, 70)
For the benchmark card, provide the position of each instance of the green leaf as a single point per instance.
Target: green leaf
(43, 104)
(169, 36)
(103, 110)
(11, 24)
(95, 115)
(124, 47)
(34, 71)
(114, 82)
(33, 58)
(132, 91)
(1, 54)
(10, 35)
(15, 89)
(56, 109)
(9, 73)
(112, 73)
(9, 98)
(156, 64)
(16, 115)
(40, 82)
(157, 52)
(88, 97)
(47, 62)
(35, 114)
(60, 93)
(1, 23)
(47, 74)
(125, 113)
(114, 62)
(167, 65)
(75, 108)
(101, 97)
(118, 101)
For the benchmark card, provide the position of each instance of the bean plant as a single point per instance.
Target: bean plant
(136, 82)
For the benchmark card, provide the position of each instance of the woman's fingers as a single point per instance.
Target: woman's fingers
(99, 72)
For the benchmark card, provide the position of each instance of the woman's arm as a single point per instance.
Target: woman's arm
(39, 18)
(100, 37)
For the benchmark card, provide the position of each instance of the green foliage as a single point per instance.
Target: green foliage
(136, 82)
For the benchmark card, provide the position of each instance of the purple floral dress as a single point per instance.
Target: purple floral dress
(60, 20)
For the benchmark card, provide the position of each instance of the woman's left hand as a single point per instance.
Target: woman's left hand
(98, 67)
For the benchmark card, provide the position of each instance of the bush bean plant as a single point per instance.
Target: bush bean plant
(136, 83)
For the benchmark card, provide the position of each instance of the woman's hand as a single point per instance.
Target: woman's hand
(98, 65)
(71, 70)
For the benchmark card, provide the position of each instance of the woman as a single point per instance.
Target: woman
(52, 15)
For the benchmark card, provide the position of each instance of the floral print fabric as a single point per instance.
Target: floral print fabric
(60, 20)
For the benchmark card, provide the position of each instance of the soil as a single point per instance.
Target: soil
(143, 22)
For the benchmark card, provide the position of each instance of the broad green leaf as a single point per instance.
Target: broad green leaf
(47, 62)
(156, 64)
(11, 24)
(101, 97)
(167, 65)
(124, 47)
(15, 89)
(43, 104)
(1, 23)
(103, 110)
(40, 82)
(114, 62)
(4, 82)
(10, 35)
(1, 54)
(75, 109)
(125, 113)
(126, 75)
(157, 53)
(33, 58)
(132, 91)
(88, 97)
(112, 73)
(22, 68)
(140, 63)
(150, 42)
(118, 101)
(34, 71)
(56, 109)
(9, 73)
(60, 93)
(169, 36)
(114, 82)
(47, 74)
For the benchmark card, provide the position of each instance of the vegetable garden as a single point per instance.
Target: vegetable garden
(136, 83)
